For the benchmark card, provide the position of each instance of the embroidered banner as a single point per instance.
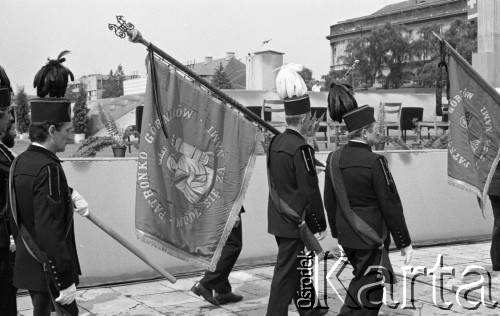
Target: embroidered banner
(191, 185)
(474, 116)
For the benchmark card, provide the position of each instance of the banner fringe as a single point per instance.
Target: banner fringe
(170, 249)
(235, 211)
(471, 189)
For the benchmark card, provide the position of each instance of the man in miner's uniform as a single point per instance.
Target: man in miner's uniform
(42, 203)
(363, 206)
(7, 247)
(293, 182)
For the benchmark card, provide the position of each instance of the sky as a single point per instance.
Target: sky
(33, 30)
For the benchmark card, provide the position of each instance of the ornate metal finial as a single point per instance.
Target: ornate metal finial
(122, 28)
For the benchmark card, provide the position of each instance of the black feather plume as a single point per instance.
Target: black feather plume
(52, 79)
(4, 79)
(340, 100)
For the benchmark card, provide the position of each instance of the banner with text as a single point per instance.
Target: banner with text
(191, 185)
(474, 116)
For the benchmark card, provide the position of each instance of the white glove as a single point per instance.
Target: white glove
(67, 296)
(320, 235)
(339, 250)
(12, 246)
(407, 252)
(320, 169)
(238, 221)
(81, 205)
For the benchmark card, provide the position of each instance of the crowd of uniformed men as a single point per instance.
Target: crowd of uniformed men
(361, 200)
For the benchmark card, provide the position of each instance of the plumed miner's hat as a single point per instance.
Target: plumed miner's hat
(5, 90)
(340, 100)
(359, 117)
(292, 90)
(52, 80)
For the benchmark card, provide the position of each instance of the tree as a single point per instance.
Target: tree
(393, 51)
(426, 53)
(333, 75)
(306, 74)
(220, 79)
(113, 87)
(371, 53)
(426, 47)
(22, 111)
(462, 35)
(119, 77)
(70, 94)
(80, 111)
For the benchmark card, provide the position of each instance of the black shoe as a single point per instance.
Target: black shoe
(228, 298)
(207, 294)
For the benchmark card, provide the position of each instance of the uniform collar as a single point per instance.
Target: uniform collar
(359, 145)
(43, 150)
(6, 152)
(293, 132)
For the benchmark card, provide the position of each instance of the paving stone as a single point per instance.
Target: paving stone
(192, 308)
(24, 303)
(26, 312)
(248, 304)
(142, 289)
(258, 288)
(265, 272)
(140, 310)
(243, 276)
(255, 312)
(181, 284)
(172, 298)
(108, 304)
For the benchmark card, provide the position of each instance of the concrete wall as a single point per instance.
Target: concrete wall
(435, 212)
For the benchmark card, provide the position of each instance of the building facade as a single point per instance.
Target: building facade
(413, 14)
(233, 68)
(95, 84)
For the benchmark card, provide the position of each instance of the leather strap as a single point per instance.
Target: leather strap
(32, 246)
(289, 214)
(364, 231)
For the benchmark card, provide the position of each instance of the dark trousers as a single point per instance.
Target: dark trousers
(495, 236)
(218, 280)
(8, 306)
(42, 305)
(362, 297)
(286, 277)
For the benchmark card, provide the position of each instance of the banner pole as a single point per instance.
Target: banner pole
(130, 247)
(136, 37)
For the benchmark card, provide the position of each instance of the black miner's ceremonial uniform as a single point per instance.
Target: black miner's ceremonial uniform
(7, 290)
(44, 207)
(291, 167)
(373, 196)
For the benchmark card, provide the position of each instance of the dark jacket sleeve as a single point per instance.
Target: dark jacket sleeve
(390, 203)
(307, 181)
(5, 230)
(330, 199)
(50, 205)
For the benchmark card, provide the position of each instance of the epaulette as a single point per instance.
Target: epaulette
(308, 157)
(54, 182)
(387, 174)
